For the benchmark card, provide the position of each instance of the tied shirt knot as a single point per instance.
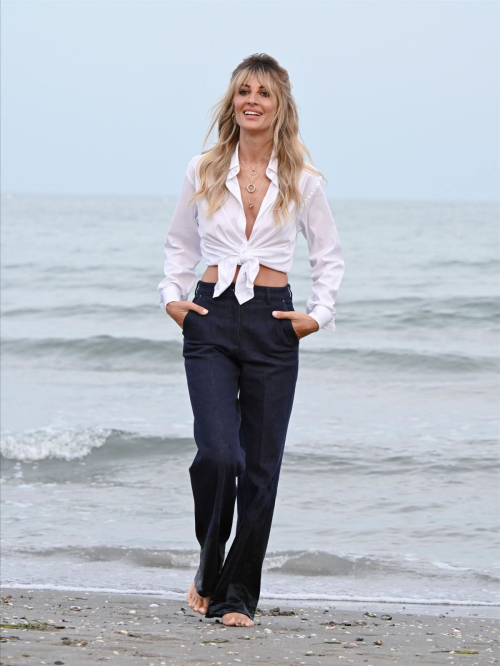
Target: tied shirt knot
(244, 255)
(244, 282)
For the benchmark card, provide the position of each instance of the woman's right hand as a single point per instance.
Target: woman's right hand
(179, 309)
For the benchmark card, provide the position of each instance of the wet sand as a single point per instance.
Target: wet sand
(64, 627)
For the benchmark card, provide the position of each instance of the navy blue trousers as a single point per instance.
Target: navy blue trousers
(241, 366)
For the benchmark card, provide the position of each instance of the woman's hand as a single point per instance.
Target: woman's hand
(179, 309)
(303, 323)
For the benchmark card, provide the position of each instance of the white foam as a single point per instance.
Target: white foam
(450, 567)
(65, 443)
(169, 594)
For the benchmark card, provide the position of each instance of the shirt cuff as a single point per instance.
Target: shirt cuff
(323, 316)
(170, 293)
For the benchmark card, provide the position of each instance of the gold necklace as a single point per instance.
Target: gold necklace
(250, 204)
(253, 170)
(251, 184)
(252, 191)
(253, 175)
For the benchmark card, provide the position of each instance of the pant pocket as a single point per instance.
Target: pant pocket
(288, 305)
(191, 313)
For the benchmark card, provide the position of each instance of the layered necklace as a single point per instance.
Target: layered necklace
(254, 175)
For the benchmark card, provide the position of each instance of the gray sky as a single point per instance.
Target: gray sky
(397, 99)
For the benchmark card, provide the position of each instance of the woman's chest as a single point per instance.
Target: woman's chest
(253, 193)
(238, 222)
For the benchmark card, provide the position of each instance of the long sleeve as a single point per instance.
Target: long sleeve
(325, 256)
(182, 246)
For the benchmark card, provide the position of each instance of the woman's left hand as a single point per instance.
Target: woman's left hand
(303, 323)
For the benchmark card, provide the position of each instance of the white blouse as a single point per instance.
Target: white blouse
(221, 241)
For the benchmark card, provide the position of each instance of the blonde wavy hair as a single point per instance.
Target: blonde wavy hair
(214, 164)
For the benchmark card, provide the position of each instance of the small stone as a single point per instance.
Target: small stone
(377, 642)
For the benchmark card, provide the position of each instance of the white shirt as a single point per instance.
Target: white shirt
(221, 241)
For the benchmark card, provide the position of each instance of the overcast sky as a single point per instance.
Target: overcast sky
(397, 99)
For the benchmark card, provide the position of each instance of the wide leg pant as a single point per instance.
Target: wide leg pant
(241, 365)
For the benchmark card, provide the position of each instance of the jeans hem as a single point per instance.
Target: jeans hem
(218, 610)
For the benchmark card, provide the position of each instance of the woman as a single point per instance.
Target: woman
(241, 206)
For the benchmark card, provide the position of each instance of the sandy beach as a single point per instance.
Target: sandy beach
(64, 627)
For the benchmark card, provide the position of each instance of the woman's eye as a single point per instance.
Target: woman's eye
(263, 92)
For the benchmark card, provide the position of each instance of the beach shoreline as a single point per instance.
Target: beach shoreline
(83, 627)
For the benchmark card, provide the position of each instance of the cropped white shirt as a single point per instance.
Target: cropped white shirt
(221, 241)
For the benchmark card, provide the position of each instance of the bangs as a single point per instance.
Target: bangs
(264, 78)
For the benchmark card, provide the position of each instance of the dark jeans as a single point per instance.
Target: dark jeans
(241, 366)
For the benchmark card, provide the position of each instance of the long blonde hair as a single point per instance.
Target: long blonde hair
(289, 150)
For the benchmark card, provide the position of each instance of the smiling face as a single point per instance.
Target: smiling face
(254, 106)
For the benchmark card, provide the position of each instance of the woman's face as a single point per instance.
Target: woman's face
(251, 96)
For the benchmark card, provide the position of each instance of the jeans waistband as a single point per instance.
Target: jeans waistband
(284, 293)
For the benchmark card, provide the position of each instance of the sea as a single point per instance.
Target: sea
(389, 490)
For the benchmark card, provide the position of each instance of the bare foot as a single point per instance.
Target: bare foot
(237, 620)
(197, 603)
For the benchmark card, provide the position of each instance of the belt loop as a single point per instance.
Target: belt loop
(291, 296)
(196, 290)
(268, 294)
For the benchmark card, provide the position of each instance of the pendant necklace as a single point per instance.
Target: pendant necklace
(250, 204)
(253, 170)
(251, 188)
(253, 176)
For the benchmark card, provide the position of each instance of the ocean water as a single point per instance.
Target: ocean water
(389, 485)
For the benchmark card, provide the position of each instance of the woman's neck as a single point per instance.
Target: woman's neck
(255, 149)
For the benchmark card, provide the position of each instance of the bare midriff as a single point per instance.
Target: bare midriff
(266, 277)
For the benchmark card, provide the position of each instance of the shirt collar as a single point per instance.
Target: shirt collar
(234, 166)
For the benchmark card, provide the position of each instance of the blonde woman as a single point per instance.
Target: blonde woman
(242, 204)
